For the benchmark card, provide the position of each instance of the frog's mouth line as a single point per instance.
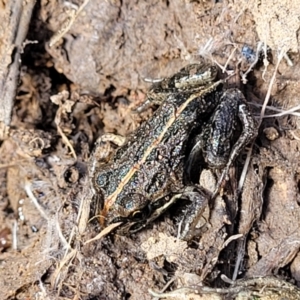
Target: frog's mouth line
(130, 226)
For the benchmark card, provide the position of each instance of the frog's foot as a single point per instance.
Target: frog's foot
(193, 219)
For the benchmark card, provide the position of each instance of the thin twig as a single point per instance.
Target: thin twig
(67, 142)
(104, 232)
(267, 98)
(15, 163)
(62, 263)
(262, 114)
(294, 135)
(60, 234)
(291, 111)
(246, 165)
(15, 236)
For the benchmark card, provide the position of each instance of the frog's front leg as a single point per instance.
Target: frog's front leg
(189, 225)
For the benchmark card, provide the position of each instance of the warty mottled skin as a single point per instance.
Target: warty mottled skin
(153, 168)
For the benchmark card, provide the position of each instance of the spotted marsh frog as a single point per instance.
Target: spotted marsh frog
(154, 166)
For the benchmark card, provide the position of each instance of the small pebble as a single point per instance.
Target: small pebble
(271, 133)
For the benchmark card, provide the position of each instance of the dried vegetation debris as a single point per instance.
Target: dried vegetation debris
(109, 49)
(15, 16)
(281, 208)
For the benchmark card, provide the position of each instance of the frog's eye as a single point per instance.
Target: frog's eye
(141, 214)
(137, 214)
(102, 180)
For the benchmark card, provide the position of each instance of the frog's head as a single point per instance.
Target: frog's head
(193, 76)
(133, 209)
(189, 77)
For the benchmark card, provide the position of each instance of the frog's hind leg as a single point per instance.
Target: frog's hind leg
(249, 132)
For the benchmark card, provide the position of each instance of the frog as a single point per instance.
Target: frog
(153, 168)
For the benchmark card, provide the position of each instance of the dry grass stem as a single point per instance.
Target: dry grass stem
(282, 112)
(230, 239)
(15, 236)
(66, 260)
(290, 111)
(262, 113)
(66, 141)
(104, 232)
